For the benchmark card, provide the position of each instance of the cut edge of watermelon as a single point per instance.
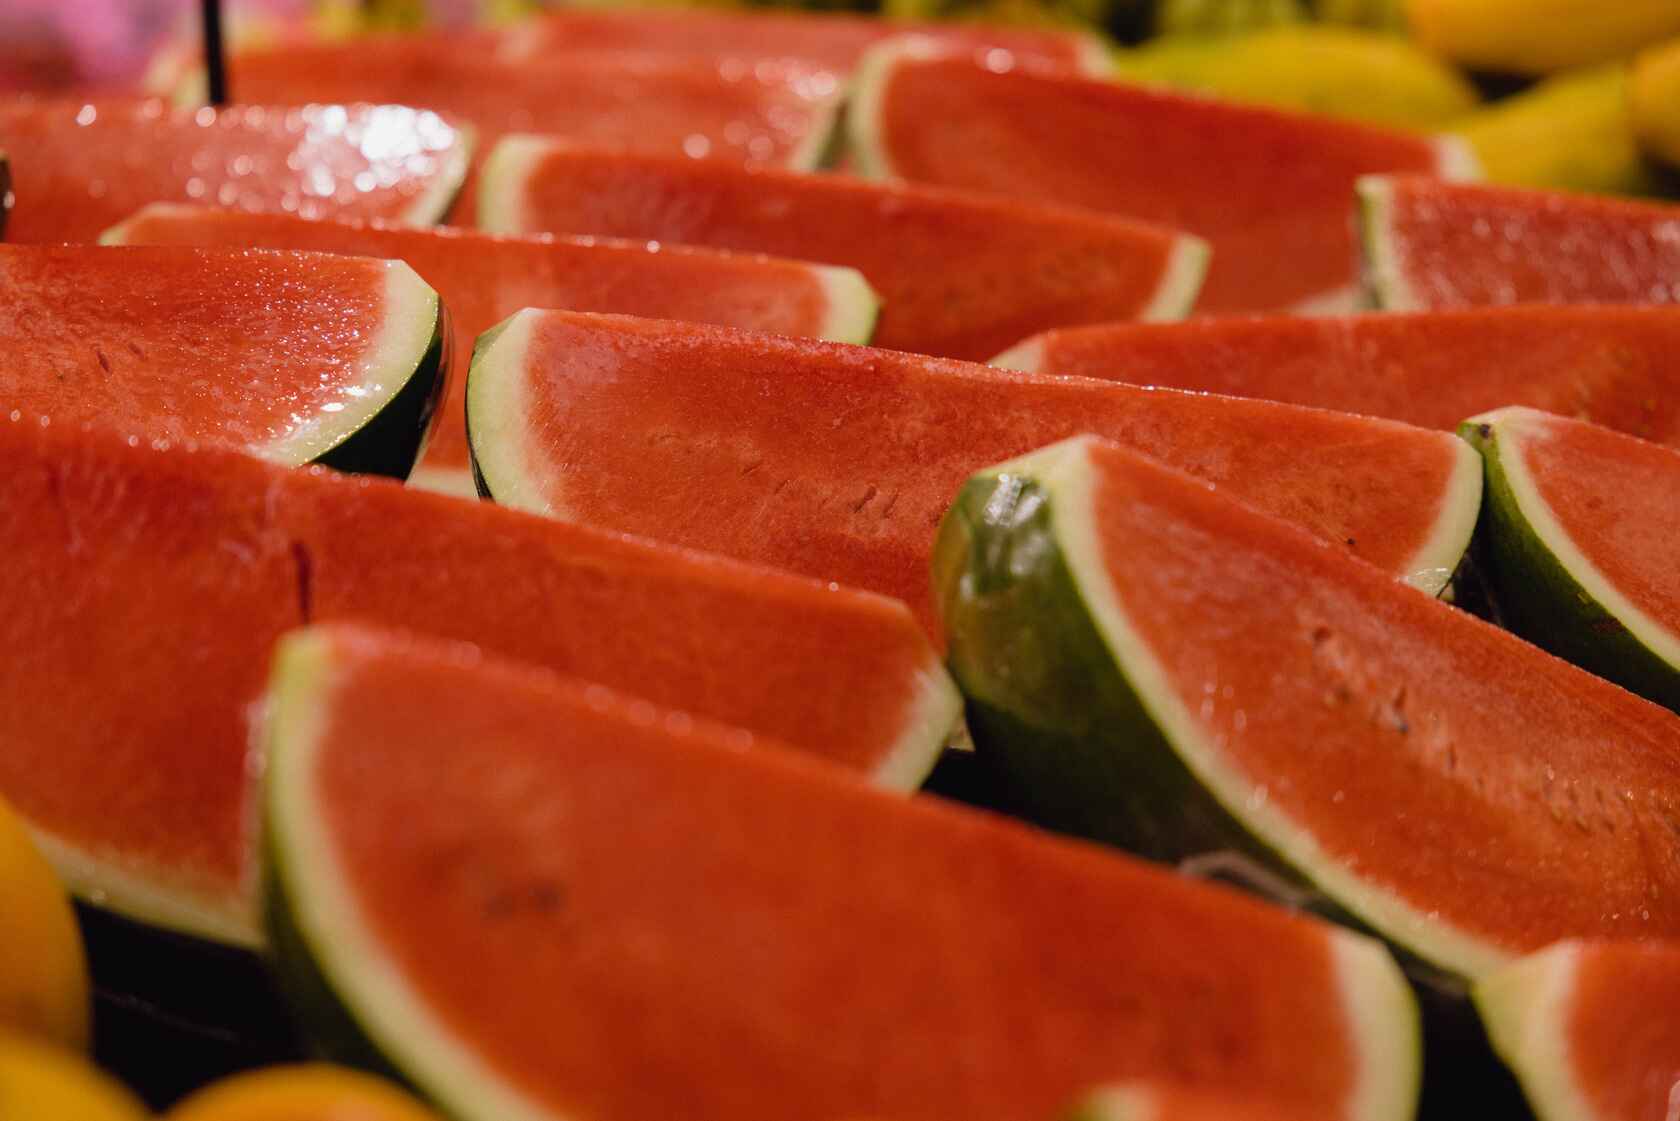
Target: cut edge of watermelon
(1525, 1009)
(502, 179)
(432, 203)
(1181, 280)
(1064, 470)
(1432, 567)
(145, 898)
(1499, 437)
(453, 481)
(339, 968)
(1385, 270)
(413, 323)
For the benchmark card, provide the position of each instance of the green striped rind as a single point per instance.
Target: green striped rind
(353, 1000)
(1546, 587)
(1080, 718)
(1525, 1008)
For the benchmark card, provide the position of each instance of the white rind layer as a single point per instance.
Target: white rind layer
(825, 128)
(853, 306)
(146, 899)
(453, 481)
(1510, 426)
(1026, 356)
(1431, 568)
(1065, 470)
(502, 183)
(868, 88)
(409, 325)
(1526, 1009)
(1181, 280)
(1385, 267)
(496, 408)
(1132, 1102)
(440, 193)
(328, 915)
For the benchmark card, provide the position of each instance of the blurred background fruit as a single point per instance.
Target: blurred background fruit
(43, 971)
(1540, 36)
(301, 1092)
(43, 1082)
(1654, 101)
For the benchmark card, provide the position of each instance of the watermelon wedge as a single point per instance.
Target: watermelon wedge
(1615, 366)
(484, 279)
(961, 274)
(1575, 544)
(1155, 664)
(838, 461)
(832, 40)
(147, 588)
(628, 917)
(294, 357)
(81, 166)
(1270, 191)
(1589, 1029)
(1430, 244)
(778, 111)
(1146, 1101)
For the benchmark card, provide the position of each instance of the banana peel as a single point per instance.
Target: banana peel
(1540, 36)
(1341, 71)
(1224, 17)
(1654, 101)
(1574, 131)
(1378, 15)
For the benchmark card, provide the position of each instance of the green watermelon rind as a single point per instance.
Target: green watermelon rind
(1524, 1008)
(496, 412)
(333, 970)
(1547, 589)
(406, 372)
(1069, 702)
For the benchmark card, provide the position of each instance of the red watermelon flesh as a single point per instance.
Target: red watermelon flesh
(484, 279)
(1270, 191)
(1431, 244)
(774, 111)
(838, 461)
(145, 588)
(1589, 1028)
(283, 355)
(830, 40)
(1484, 797)
(661, 925)
(79, 167)
(960, 275)
(1619, 367)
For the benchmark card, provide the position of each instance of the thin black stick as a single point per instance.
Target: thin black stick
(215, 60)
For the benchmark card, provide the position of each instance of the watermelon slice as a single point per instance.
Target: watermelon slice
(1269, 190)
(1146, 1101)
(1611, 365)
(1153, 663)
(838, 461)
(778, 111)
(832, 40)
(961, 274)
(294, 357)
(628, 917)
(147, 588)
(80, 166)
(1576, 542)
(1589, 1029)
(1430, 244)
(485, 279)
